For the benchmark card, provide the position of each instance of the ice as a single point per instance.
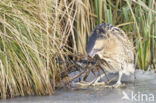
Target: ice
(140, 90)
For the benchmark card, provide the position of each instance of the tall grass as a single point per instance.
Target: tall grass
(33, 33)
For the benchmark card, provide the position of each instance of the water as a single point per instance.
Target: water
(142, 90)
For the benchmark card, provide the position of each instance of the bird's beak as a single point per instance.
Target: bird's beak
(92, 53)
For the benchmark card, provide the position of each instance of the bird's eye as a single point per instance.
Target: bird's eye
(96, 50)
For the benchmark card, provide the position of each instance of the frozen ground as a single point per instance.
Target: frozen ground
(142, 90)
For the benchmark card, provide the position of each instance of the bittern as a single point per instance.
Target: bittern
(112, 45)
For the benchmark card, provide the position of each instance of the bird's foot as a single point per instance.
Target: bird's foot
(117, 85)
(82, 84)
(92, 83)
(98, 84)
(121, 85)
(87, 84)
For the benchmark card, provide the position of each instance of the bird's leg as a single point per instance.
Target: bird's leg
(94, 82)
(118, 83)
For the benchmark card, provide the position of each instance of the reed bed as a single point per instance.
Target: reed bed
(33, 33)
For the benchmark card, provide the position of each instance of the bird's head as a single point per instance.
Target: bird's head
(96, 42)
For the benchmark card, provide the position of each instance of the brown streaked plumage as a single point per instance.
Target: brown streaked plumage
(112, 45)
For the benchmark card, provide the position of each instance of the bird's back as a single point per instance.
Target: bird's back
(112, 45)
